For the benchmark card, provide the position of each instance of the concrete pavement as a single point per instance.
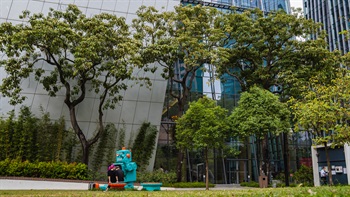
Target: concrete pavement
(15, 184)
(10, 184)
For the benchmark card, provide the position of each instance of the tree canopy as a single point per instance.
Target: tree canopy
(323, 110)
(259, 112)
(272, 50)
(80, 54)
(182, 42)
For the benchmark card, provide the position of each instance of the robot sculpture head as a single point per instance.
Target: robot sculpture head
(124, 160)
(123, 156)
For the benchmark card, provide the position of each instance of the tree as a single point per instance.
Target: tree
(183, 43)
(80, 54)
(258, 113)
(263, 49)
(324, 111)
(203, 126)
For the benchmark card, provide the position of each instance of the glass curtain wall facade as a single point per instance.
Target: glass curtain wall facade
(265, 5)
(335, 17)
(227, 93)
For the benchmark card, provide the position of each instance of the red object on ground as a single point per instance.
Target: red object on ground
(117, 185)
(97, 186)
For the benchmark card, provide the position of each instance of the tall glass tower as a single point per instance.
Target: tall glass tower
(265, 5)
(335, 17)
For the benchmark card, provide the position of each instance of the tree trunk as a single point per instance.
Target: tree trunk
(286, 158)
(263, 156)
(86, 149)
(84, 143)
(266, 157)
(330, 179)
(206, 169)
(180, 157)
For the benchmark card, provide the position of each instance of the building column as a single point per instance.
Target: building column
(347, 161)
(315, 165)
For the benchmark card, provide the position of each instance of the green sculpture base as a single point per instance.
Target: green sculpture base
(151, 186)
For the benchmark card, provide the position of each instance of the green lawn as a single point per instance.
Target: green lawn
(343, 191)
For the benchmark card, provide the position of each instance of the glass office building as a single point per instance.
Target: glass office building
(155, 105)
(265, 5)
(335, 17)
(227, 91)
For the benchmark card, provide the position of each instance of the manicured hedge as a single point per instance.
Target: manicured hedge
(250, 184)
(56, 170)
(156, 176)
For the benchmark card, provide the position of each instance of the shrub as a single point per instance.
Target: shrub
(60, 170)
(156, 176)
(250, 184)
(304, 175)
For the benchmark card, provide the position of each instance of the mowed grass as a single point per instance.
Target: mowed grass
(341, 191)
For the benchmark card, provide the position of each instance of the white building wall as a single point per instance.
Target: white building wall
(139, 104)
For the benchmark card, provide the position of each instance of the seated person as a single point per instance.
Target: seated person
(120, 174)
(112, 175)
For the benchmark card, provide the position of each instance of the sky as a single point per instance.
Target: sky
(296, 3)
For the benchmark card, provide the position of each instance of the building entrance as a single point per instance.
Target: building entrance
(236, 170)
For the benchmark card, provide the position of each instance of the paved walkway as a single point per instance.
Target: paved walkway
(10, 184)
(15, 184)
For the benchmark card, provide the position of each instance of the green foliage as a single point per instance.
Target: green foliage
(280, 176)
(27, 137)
(58, 170)
(111, 143)
(156, 176)
(203, 125)
(121, 138)
(24, 135)
(262, 49)
(6, 129)
(69, 147)
(52, 149)
(304, 175)
(259, 112)
(229, 151)
(250, 184)
(323, 109)
(143, 145)
(105, 147)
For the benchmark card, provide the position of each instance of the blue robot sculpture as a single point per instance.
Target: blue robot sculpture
(124, 160)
